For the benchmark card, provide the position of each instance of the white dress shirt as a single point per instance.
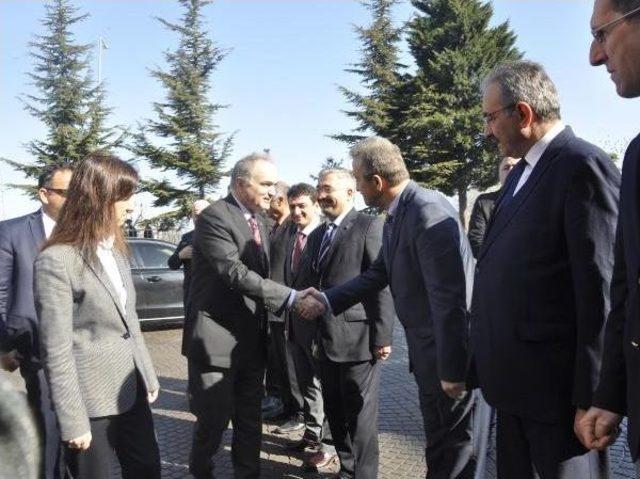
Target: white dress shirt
(535, 153)
(108, 261)
(48, 223)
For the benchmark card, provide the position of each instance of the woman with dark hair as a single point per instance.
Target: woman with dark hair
(97, 365)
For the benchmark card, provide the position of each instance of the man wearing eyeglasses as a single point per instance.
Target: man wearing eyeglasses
(20, 242)
(615, 25)
(540, 295)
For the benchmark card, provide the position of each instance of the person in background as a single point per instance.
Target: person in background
(20, 242)
(182, 257)
(283, 394)
(483, 207)
(96, 362)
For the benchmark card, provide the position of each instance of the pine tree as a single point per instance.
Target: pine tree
(68, 102)
(454, 48)
(328, 163)
(191, 146)
(378, 68)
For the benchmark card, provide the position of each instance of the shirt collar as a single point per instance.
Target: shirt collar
(393, 206)
(106, 244)
(310, 227)
(245, 211)
(340, 218)
(537, 150)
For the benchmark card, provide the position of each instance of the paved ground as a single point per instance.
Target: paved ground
(401, 437)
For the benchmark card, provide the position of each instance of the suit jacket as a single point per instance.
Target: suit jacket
(20, 242)
(426, 260)
(92, 348)
(174, 262)
(542, 279)
(280, 241)
(618, 388)
(230, 292)
(479, 220)
(356, 243)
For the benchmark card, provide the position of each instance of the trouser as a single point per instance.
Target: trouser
(308, 379)
(350, 392)
(131, 435)
(527, 449)
(218, 396)
(281, 374)
(39, 399)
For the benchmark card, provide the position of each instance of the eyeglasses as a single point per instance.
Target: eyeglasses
(599, 33)
(59, 191)
(491, 116)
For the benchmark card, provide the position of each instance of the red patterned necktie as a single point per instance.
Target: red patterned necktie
(301, 241)
(255, 231)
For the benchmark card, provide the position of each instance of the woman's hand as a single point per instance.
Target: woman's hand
(83, 442)
(152, 396)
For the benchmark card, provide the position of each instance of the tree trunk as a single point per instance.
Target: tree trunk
(462, 206)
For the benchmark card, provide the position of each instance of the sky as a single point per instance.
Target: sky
(281, 75)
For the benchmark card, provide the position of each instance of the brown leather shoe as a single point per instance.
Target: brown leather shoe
(321, 459)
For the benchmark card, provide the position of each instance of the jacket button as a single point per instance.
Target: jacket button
(634, 344)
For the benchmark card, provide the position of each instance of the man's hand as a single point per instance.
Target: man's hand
(186, 252)
(307, 305)
(381, 352)
(152, 396)
(596, 428)
(454, 390)
(10, 361)
(83, 442)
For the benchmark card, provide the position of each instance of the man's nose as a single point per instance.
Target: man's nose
(596, 54)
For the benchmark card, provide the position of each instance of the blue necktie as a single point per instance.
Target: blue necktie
(326, 241)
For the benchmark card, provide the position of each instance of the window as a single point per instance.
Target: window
(152, 255)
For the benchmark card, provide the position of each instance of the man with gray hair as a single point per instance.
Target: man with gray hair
(230, 297)
(542, 279)
(426, 261)
(615, 25)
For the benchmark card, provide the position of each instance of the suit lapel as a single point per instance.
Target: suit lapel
(101, 274)
(288, 274)
(37, 229)
(338, 237)
(504, 216)
(391, 242)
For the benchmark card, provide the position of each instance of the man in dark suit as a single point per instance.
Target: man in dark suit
(615, 25)
(230, 297)
(483, 207)
(283, 395)
(181, 257)
(427, 263)
(540, 296)
(350, 345)
(302, 335)
(20, 242)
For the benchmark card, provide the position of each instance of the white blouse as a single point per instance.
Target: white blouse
(108, 261)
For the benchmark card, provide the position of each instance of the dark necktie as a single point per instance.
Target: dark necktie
(511, 188)
(326, 241)
(298, 247)
(387, 229)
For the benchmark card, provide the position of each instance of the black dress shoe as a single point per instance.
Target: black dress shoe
(292, 425)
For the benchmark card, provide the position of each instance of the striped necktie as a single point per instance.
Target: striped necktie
(326, 241)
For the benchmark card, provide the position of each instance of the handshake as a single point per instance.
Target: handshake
(309, 304)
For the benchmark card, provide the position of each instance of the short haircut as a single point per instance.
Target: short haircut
(378, 156)
(302, 189)
(528, 82)
(342, 173)
(244, 167)
(49, 171)
(625, 6)
(282, 189)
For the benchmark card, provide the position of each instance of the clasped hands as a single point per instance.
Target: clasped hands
(596, 428)
(309, 304)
